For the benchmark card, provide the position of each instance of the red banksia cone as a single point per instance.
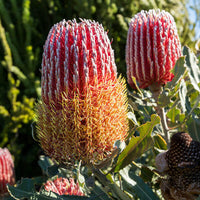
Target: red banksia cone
(84, 106)
(63, 186)
(7, 175)
(152, 48)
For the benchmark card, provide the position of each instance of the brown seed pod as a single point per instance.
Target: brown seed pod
(183, 174)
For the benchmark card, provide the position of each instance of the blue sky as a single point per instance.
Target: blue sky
(193, 17)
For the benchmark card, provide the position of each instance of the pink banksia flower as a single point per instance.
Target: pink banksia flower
(63, 186)
(84, 105)
(152, 48)
(7, 175)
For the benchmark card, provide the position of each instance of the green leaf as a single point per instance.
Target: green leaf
(139, 144)
(136, 186)
(173, 114)
(47, 166)
(178, 71)
(194, 128)
(98, 193)
(182, 94)
(146, 174)
(193, 122)
(172, 87)
(18, 73)
(159, 142)
(23, 190)
(192, 67)
(73, 197)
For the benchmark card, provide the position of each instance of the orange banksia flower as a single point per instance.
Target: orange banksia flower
(152, 48)
(84, 106)
(7, 175)
(63, 186)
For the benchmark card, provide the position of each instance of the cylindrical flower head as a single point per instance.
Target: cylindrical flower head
(7, 175)
(152, 48)
(63, 186)
(75, 55)
(84, 104)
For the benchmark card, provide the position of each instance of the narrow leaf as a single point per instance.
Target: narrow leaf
(192, 67)
(193, 122)
(159, 142)
(194, 128)
(136, 186)
(182, 94)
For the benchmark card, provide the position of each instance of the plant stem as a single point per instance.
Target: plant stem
(156, 90)
(164, 123)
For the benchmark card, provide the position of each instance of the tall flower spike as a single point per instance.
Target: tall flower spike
(152, 48)
(84, 106)
(7, 175)
(63, 186)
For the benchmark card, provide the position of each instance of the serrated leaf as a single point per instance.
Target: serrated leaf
(192, 67)
(136, 186)
(159, 142)
(178, 71)
(23, 190)
(172, 87)
(137, 145)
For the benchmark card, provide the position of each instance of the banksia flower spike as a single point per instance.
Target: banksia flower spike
(7, 175)
(84, 106)
(63, 186)
(152, 48)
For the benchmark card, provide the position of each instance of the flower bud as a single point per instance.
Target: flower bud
(63, 186)
(7, 175)
(152, 48)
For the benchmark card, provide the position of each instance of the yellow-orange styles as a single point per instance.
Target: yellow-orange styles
(84, 105)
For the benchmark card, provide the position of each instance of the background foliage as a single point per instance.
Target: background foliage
(24, 26)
